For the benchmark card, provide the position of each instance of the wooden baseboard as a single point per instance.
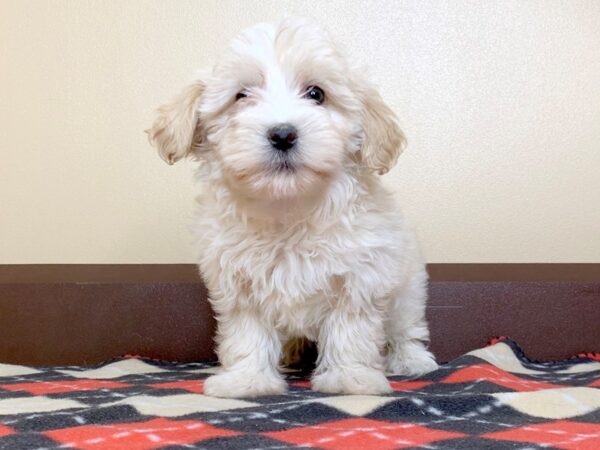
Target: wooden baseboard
(84, 314)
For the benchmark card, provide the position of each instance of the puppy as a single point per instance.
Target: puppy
(295, 235)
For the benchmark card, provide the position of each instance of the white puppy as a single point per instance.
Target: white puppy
(295, 234)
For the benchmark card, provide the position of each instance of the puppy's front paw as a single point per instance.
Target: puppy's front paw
(238, 384)
(411, 359)
(360, 380)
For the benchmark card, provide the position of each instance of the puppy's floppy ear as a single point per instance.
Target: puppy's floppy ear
(383, 140)
(176, 130)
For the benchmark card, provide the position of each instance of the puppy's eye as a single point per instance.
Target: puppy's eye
(316, 94)
(240, 95)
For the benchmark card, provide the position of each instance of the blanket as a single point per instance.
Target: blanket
(490, 398)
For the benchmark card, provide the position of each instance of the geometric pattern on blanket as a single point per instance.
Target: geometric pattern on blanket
(491, 398)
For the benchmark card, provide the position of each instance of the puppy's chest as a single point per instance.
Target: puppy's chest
(288, 273)
(295, 270)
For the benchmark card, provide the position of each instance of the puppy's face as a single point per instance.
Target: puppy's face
(281, 115)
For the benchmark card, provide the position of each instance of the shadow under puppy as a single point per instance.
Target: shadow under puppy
(294, 233)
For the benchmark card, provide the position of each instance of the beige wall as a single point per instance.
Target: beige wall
(500, 102)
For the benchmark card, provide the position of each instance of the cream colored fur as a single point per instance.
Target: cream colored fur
(318, 250)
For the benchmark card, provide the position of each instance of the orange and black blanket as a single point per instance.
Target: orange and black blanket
(491, 398)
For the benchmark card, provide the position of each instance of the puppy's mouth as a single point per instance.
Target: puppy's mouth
(281, 164)
(284, 167)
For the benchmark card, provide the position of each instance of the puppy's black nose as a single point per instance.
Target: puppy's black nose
(283, 136)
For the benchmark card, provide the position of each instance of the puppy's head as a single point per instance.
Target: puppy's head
(280, 116)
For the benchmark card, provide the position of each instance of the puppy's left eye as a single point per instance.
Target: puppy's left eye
(316, 94)
(240, 95)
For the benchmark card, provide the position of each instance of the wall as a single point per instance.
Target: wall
(500, 102)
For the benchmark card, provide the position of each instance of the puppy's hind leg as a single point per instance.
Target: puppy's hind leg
(406, 330)
(299, 353)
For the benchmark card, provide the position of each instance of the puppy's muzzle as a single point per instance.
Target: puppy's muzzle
(283, 136)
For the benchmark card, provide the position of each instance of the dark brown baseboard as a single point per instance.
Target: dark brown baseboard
(84, 314)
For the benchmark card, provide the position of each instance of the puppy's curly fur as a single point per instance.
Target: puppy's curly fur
(301, 241)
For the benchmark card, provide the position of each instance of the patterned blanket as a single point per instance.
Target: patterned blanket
(492, 398)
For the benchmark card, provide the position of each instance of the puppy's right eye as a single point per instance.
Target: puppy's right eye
(240, 95)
